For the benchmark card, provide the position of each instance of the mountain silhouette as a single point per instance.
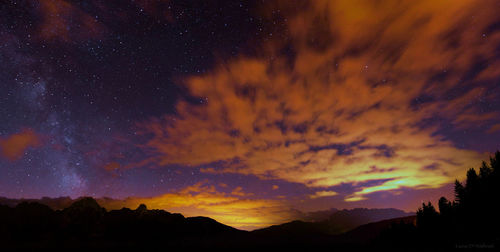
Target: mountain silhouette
(345, 220)
(338, 222)
(369, 232)
(315, 216)
(54, 203)
(84, 223)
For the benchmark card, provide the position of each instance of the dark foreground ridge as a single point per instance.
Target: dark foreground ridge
(86, 224)
(470, 221)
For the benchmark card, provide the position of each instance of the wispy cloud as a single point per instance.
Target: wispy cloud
(494, 128)
(319, 194)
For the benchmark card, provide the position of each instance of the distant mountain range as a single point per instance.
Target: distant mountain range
(54, 203)
(68, 223)
(335, 221)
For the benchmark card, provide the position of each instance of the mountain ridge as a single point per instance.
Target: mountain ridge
(60, 203)
(85, 222)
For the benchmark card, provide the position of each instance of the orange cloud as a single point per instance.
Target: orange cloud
(111, 166)
(319, 194)
(238, 191)
(352, 103)
(14, 146)
(202, 199)
(494, 128)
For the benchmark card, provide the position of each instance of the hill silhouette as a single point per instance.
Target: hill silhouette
(367, 233)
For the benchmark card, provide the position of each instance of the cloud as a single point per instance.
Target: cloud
(361, 96)
(352, 198)
(494, 128)
(319, 194)
(234, 209)
(238, 191)
(14, 146)
(111, 166)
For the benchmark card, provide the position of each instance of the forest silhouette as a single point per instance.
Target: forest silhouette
(471, 220)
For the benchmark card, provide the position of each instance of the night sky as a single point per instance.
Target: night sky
(246, 112)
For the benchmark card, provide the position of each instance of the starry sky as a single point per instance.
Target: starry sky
(249, 112)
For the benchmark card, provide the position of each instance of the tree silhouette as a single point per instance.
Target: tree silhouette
(473, 217)
(459, 192)
(445, 206)
(427, 216)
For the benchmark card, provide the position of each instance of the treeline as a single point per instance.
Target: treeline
(471, 220)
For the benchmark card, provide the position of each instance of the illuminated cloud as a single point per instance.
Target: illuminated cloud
(352, 198)
(111, 166)
(14, 146)
(204, 199)
(361, 97)
(319, 194)
(494, 128)
(238, 191)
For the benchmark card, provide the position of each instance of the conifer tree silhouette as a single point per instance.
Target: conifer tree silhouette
(473, 217)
